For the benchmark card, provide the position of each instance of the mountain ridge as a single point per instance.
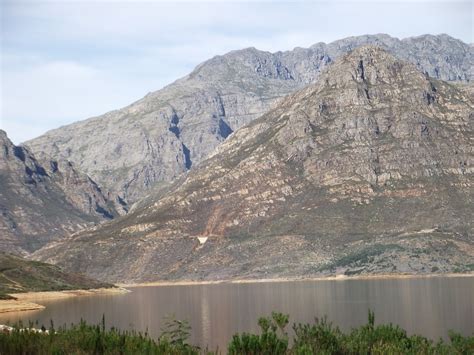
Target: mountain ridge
(171, 130)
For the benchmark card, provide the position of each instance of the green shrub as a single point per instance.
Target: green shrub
(272, 341)
(318, 338)
(87, 339)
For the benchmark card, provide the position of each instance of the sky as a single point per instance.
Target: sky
(63, 61)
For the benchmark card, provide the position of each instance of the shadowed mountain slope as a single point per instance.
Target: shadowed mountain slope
(171, 130)
(43, 199)
(368, 170)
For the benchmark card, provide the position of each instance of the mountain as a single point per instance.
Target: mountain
(369, 170)
(171, 130)
(43, 199)
(21, 275)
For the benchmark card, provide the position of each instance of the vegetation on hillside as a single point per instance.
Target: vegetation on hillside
(21, 275)
(321, 337)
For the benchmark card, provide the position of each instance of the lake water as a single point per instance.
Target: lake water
(426, 306)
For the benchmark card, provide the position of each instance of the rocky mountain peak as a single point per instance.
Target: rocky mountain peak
(5, 143)
(370, 65)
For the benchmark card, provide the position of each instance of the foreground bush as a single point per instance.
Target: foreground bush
(95, 339)
(321, 337)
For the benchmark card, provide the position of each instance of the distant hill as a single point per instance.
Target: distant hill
(42, 199)
(368, 170)
(20, 275)
(168, 132)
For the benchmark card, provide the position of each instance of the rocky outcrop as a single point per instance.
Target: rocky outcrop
(368, 170)
(171, 130)
(43, 199)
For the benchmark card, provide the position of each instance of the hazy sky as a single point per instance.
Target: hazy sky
(63, 61)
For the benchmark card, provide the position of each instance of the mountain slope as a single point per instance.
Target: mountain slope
(368, 170)
(20, 275)
(171, 130)
(43, 199)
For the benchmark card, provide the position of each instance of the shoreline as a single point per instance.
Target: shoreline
(291, 279)
(27, 301)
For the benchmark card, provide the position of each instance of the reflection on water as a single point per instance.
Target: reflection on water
(427, 306)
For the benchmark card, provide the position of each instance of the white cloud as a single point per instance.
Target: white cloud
(22, 131)
(46, 95)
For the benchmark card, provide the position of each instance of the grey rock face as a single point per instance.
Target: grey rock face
(368, 170)
(43, 199)
(171, 130)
